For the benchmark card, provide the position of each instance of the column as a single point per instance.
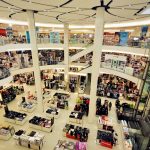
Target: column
(35, 58)
(96, 60)
(147, 108)
(66, 52)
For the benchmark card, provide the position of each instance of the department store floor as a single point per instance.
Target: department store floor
(51, 139)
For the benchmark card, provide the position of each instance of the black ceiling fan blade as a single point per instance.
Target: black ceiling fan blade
(109, 2)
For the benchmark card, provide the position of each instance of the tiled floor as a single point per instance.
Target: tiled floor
(51, 138)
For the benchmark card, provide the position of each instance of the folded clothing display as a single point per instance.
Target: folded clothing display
(15, 115)
(62, 100)
(81, 146)
(6, 130)
(42, 121)
(8, 94)
(105, 123)
(101, 109)
(33, 140)
(76, 132)
(105, 138)
(27, 105)
(76, 115)
(65, 145)
(82, 105)
(53, 111)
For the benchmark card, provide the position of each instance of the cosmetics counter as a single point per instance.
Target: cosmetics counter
(42, 124)
(32, 140)
(6, 132)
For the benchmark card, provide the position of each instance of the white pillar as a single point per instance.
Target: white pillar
(96, 60)
(66, 51)
(35, 58)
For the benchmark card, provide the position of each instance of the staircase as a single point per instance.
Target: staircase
(82, 53)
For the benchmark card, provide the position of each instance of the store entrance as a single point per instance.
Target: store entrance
(87, 89)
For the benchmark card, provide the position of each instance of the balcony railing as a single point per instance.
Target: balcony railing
(86, 42)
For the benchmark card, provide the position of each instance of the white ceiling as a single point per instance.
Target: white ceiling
(74, 12)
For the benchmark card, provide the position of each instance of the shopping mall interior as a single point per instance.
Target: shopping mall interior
(75, 74)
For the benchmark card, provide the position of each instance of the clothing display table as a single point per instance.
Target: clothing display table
(82, 105)
(76, 117)
(105, 139)
(105, 123)
(76, 132)
(65, 145)
(42, 124)
(6, 132)
(15, 117)
(53, 112)
(33, 140)
(27, 107)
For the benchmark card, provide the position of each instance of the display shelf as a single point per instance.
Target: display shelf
(42, 124)
(33, 140)
(15, 117)
(76, 117)
(53, 112)
(6, 132)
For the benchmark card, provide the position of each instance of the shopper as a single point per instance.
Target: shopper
(110, 105)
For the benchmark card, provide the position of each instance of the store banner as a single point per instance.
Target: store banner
(115, 62)
(28, 36)
(109, 38)
(54, 37)
(123, 38)
(2, 32)
(144, 30)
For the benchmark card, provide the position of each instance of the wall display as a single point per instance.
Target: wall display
(144, 30)
(28, 36)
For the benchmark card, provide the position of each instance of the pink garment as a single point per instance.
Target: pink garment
(81, 146)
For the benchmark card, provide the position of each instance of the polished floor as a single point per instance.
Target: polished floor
(51, 139)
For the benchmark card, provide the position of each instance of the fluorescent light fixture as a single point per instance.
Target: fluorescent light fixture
(138, 22)
(115, 30)
(81, 27)
(49, 25)
(146, 11)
